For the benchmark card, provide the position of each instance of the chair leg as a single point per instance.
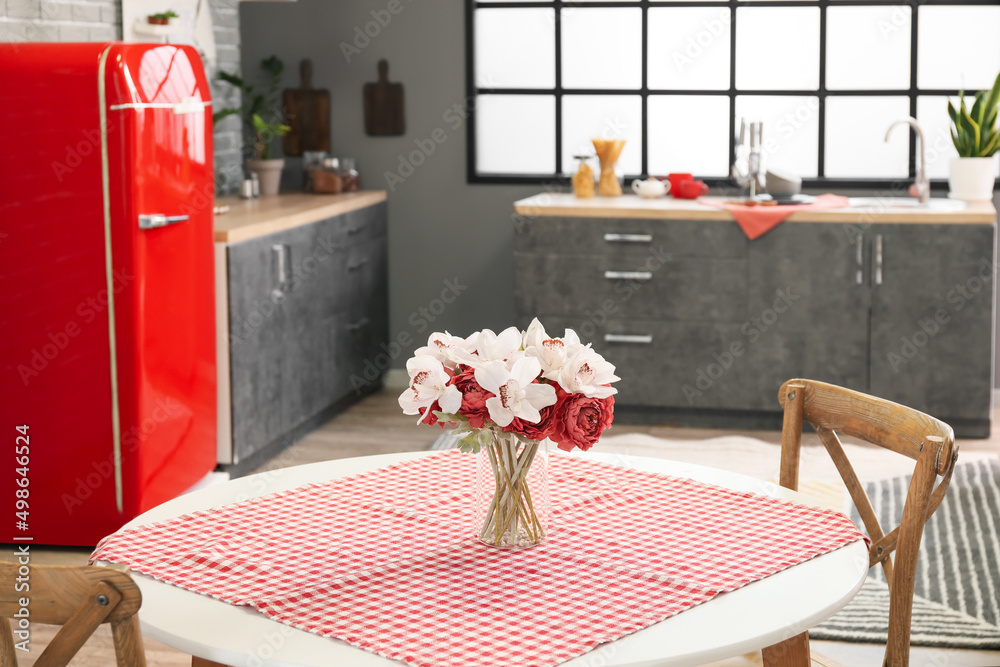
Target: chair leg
(792, 652)
(128, 643)
(7, 655)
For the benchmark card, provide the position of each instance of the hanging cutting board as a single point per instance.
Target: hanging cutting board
(308, 112)
(384, 105)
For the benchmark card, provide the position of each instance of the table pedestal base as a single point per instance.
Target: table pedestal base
(201, 662)
(792, 652)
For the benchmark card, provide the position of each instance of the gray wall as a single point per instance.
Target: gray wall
(100, 21)
(440, 228)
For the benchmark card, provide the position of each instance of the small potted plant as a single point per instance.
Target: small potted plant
(976, 137)
(262, 115)
(163, 18)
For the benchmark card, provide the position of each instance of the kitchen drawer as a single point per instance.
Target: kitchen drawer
(678, 289)
(602, 236)
(672, 364)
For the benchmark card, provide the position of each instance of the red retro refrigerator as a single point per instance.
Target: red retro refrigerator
(107, 334)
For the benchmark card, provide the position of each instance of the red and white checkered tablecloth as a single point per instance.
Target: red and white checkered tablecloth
(387, 560)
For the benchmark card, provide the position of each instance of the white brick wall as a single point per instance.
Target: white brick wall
(100, 21)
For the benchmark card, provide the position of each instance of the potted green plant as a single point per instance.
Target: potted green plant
(262, 115)
(976, 137)
(162, 18)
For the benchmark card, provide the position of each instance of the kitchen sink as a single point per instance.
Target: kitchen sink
(883, 203)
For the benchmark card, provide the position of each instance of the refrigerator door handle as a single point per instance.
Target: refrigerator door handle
(154, 220)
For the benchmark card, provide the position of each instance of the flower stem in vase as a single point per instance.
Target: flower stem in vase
(511, 469)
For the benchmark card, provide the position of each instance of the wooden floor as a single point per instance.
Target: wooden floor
(376, 426)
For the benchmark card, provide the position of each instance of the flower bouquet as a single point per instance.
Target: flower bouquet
(506, 395)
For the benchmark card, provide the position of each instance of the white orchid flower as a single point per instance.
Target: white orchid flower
(428, 383)
(505, 347)
(551, 352)
(442, 347)
(587, 373)
(515, 393)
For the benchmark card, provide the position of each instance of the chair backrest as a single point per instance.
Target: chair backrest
(79, 599)
(931, 443)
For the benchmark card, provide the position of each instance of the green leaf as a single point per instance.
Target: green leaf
(219, 115)
(991, 147)
(974, 127)
(952, 113)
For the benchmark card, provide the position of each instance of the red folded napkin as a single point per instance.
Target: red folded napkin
(757, 220)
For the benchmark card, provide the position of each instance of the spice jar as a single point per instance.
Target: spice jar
(327, 179)
(583, 179)
(349, 176)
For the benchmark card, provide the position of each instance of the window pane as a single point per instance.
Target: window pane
(689, 134)
(601, 48)
(587, 117)
(957, 47)
(515, 134)
(791, 130)
(868, 48)
(689, 48)
(855, 137)
(932, 112)
(515, 48)
(777, 48)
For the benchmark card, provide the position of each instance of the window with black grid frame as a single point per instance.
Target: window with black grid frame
(673, 78)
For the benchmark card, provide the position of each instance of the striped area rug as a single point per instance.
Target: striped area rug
(956, 600)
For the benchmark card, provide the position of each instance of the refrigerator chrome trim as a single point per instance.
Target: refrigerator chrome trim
(178, 107)
(109, 278)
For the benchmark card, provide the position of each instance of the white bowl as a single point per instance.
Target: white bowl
(782, 183)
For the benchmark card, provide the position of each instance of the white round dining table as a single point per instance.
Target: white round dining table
(760, 614)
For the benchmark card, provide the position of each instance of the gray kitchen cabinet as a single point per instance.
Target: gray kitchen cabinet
(932, 320)
(307, 307)
(707, 336)
(808, 292)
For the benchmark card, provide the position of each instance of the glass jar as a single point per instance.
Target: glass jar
(583, 179)
(311, 160)
(512, 503)
(349, 176)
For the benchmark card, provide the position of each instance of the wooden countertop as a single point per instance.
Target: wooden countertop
(630, 206)
(250, 218)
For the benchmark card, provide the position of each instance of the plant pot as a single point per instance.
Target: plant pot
(971, 178)
(155, 20)
(269, 173)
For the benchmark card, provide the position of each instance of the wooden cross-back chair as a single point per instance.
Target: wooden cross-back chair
(833, 410)
(79, 599)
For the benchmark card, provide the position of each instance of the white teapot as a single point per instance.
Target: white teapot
(650, 188)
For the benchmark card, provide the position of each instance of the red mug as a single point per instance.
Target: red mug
(691, 189)
(676, 180)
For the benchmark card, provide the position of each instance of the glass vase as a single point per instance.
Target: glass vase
(512, 492)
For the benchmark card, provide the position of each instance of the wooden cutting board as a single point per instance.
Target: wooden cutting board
(308, 112)
(384, 105)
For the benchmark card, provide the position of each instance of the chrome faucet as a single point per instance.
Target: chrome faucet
(921, 189)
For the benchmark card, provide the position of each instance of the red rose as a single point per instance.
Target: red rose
(579, 420)
(543, 429)
(473, 397)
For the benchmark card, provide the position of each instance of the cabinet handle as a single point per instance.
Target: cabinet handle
(360, 324)
(640, 339)
(628, 275)
(357, 265)
(282, 264)
(878, 259)
(628, 238)
(859, 244)
(354, 230)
